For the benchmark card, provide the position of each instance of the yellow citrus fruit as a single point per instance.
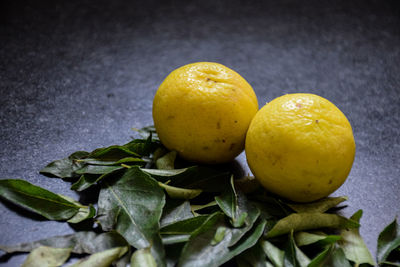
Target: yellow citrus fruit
(203, 110)
(300, 146)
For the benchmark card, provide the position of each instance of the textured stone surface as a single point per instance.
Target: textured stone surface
(76, 76)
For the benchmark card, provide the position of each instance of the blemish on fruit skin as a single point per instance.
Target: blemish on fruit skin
(330, 181)
(205, 147)
(170, 117)
(316, 121)
(219, 125)
(298, 105)
(223, 140)
(232, 146)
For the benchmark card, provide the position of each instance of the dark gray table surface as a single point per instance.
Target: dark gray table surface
(79, 75)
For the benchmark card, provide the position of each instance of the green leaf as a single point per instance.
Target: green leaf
(331, 256)
(353, 245)
(187, 226)
(143, 258)
(147, 131)
(195, 208)
(180, 231)
(271, 208)
(112, 153)
(65, 168)
(321, 258)
(127, 160)
(253, 257)
(219, 235)
(200, 177)
(242, 213)
(144, 147)
(39, 200)
(47, 257)
(87, 180)
(199, 251)
(174, 211)
(247, 184)
(388, 241)
(308, 221)
(180, 193)
(80, 242)
(275, 255)
(228, 202)
(98, 169)
(175, 239)
(102, 259)
(293, 255)
(132, 205)
(306, 238)
(318, 206)
(167, 161)
(83, 214)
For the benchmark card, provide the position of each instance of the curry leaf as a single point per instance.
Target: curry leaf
(127, 160)
(132, 205)
(198, 252)
(331, 256)
(200, 177)
(167, 161)
(112, 153)
(228, 202)
(39, 200)
(322, 257)
(98, 169)
(145, 132)
(187, 226)
(353, 245)
(102, 259)
(80, 242)
(253, 257)
(293, 255)
(47, 257)
(388, 241)
(275, 255)
(181, 231)
(87, 180)
(83, 214)
(307, 221)
(144, 147)
(236, 206)
(174, 211)
(143, 258)
(180, 193)
(271, 208)
(247, 184)
(306, 238)
(318, 206)
(195, 208)
(175, 239)
(219, 235)
(65, 168)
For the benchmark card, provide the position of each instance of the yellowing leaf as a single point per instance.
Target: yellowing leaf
(44, 256)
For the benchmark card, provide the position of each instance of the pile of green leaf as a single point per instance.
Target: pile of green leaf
(153, 209)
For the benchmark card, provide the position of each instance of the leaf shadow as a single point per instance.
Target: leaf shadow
(90, 195)
(5, 257)
(23, 212)
(233, 167)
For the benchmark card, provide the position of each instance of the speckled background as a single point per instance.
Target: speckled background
(76, 75)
